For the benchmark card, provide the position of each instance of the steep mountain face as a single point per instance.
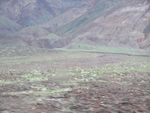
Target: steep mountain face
(124, 25)
(32, 12)
(27, 19)
(113, 23)
(75, 23)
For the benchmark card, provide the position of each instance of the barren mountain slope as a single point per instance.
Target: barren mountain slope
(76, 24)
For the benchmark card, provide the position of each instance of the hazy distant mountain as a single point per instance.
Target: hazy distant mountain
(75, 23)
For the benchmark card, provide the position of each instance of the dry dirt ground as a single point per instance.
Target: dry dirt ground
(79, 83)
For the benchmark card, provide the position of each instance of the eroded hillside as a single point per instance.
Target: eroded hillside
(76, 24)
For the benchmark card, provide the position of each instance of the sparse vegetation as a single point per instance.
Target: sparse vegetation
(65, 85)
(74, 56)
